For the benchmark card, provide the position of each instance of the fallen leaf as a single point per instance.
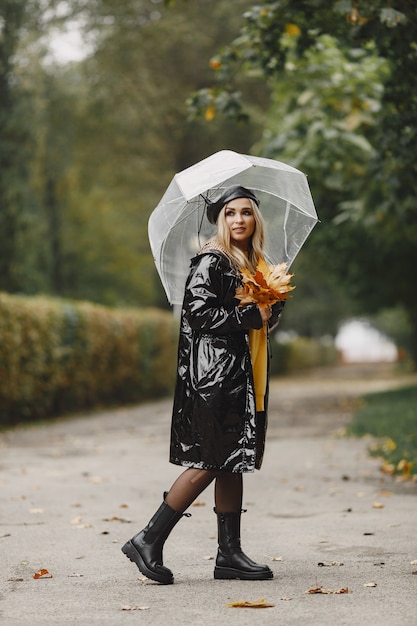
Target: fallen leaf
(413, 562)
(328, 591)
(95, 479)
(277, 558)
(84, 526)
(377, 505)
(385, 494)
(75, 575)
(134, 607)
(329, 563)
(248, 604)
(286, 599)
(124, 506)
(76, 520)
(198, 503)
(15, 580)
(36, 510)
(208, 558)
(370, 585)
(387, 468)
(405, 467)
(43, 573)
(415, 571)
(116, 518)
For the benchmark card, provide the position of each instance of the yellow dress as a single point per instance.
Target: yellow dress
(258, 344)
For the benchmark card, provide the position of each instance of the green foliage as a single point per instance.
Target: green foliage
(352, 126)
(58, 356)
(391, 417)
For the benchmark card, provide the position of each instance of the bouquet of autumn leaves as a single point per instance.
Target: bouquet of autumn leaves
(270, 284)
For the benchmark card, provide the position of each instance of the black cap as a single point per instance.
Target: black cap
(231, 193)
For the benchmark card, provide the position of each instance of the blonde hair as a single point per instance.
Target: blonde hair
(255, 250)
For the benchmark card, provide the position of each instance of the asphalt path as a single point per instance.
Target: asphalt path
(320, 513)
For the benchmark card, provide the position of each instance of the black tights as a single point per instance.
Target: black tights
(228, 490)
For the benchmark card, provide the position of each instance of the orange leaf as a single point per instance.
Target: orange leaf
(269, 284)
(328, 591)
(43, 573)
(248, 604)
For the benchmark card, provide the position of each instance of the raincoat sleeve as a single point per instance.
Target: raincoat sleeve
(276, 314)
(204, 302)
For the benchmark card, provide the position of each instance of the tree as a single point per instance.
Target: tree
(132, 135)
(18, 260)
(88, 148)
(377, 255)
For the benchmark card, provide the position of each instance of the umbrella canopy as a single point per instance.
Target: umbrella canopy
(178, 226)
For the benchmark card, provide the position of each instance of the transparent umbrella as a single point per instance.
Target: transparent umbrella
(178, 226)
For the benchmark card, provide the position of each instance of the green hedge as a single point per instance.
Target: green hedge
(58, 356)
(301, 353)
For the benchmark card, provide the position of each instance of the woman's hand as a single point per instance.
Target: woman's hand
(265, 313)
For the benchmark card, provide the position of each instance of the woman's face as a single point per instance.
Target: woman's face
(240, 221)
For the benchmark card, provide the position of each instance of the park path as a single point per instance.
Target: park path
(73, 490)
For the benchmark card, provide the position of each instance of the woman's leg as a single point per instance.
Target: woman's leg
(145, 548)
(231, 561)
(228, 492)
(188, 487)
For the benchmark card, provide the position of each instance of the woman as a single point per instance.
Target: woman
(219, 415)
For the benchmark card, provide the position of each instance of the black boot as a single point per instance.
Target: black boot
(145, 548)
(231, 561)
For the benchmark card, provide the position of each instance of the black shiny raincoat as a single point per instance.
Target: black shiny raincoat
(214, 421)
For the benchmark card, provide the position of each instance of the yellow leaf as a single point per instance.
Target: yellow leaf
(248, 604)
(377, 505)
(210, 113)
(388, 468)
(390, 444)
(405, 466)
(292, 30)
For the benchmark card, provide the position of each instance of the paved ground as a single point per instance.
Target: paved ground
(74, 490)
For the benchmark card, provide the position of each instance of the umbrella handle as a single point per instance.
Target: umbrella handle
(206, 200)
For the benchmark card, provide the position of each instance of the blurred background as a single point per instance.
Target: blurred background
(102, 102)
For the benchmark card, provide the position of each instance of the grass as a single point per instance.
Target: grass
(390, 417)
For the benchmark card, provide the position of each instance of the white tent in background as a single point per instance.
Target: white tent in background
(359, 342)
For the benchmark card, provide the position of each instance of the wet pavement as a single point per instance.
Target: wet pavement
(319, 513)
